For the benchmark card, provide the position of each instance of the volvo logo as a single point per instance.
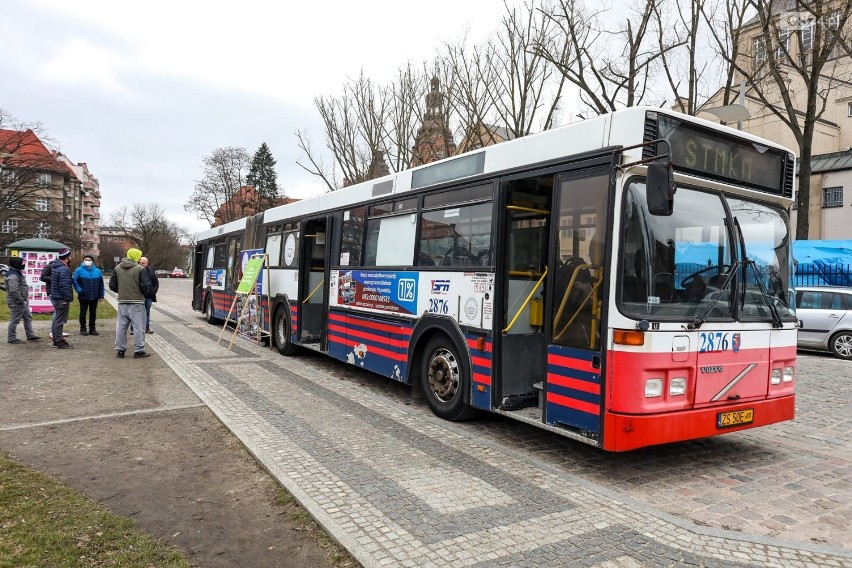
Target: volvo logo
(713, 369)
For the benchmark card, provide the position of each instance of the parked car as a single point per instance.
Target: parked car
(3, 269)
(826, 322)
(177, 273)
(162, 273)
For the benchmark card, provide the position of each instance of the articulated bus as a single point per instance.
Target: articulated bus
(624, 281)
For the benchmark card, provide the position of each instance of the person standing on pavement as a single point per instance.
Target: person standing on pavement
(61, 296)
(89, 285)
(130, 282)
(151, 296)
(17, 297)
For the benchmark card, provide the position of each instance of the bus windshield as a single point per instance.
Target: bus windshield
(685, 266)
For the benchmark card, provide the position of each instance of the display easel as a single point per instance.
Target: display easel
(245, 290)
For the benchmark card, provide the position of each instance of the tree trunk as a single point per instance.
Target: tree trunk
(803, 197)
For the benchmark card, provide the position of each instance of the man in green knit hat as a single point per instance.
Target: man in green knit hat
(130, 282)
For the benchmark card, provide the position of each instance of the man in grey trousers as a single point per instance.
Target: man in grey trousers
(130, 281)
(17, 297)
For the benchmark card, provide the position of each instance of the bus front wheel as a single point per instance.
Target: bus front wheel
(281, 333)
(445, 381)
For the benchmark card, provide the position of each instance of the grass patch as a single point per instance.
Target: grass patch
(45, 523)
(105, 310)
(338, 556)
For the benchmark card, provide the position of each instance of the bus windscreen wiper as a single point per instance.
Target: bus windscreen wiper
(776, 318)
(699, 321)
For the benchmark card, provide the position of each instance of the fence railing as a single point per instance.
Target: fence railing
(823, 274)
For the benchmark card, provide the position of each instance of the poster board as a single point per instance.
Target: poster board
(34, 263)
(246, 313)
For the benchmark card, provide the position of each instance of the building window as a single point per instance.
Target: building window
(808, 36)
(9, 177)
(43, 230)
(832, 197)
(9, 226)
(783, 44)
(44, 179)
(759, 50)
(848, 109)
(42, 204)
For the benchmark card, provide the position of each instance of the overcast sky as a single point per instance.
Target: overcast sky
(142, 92)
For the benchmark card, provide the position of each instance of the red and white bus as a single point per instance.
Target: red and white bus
(624, 281)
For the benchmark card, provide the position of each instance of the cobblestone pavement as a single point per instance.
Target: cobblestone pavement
(399, 487)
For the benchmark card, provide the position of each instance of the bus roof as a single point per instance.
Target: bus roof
(620, 128)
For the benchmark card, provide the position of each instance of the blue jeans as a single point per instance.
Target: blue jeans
(148, 302)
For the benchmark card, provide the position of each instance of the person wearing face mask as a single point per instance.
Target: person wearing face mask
(89, 285)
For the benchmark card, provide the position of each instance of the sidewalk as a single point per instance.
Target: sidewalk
(131, 435)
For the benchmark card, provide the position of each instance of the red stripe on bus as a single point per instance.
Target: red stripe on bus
(349, 320)
(371, 349)
(581, 405)
(472, 344)
(349, 332)
(571, 363)
(575, 384)
(482, 379)
(481, 361)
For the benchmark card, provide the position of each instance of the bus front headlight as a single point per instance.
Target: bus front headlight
(677, 386)
(653, 388)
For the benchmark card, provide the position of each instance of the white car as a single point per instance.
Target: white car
(826, 322)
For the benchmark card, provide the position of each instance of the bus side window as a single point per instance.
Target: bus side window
(352, 236)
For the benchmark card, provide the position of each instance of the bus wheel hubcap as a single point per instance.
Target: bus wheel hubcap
(444, 375)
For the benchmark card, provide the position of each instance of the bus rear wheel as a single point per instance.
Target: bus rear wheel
(445, 381)
(281, 332)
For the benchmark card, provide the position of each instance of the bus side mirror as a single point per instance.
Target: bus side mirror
(660, 188)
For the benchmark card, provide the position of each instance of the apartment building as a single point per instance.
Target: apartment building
(40, 194)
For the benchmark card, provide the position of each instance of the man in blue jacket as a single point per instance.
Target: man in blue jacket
(61, 296)
(89, 285)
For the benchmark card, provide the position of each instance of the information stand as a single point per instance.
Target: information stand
(248, 303)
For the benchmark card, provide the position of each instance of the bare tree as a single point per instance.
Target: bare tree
(795, 84)
(527, 88)
(725, 22)
(148, 229)
(611, 69)
(217, 197)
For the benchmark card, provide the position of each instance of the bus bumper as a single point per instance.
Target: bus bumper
(624, 432)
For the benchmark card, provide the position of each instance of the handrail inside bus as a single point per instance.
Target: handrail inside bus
(526, 273)
(314, 291)
(591, 293)
(527, 209)
(527, 301)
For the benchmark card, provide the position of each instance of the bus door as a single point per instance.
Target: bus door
(198, 278)
(526, 235)
(573, 383)
(313, 277)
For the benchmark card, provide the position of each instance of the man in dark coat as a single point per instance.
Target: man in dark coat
(61, 296)
(151, 296)
(17, 297)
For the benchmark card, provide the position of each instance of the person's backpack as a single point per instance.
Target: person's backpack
(45, 276)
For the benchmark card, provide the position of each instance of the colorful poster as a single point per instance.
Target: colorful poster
(34, 263)
(245, 257)
(394, 292)
(215, 278)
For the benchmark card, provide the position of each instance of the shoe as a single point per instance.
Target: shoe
(33, 338)
(149, 330)
(94, 332)
(84, 332)
(119, 354)
(15, 341)
(64, 345)
(139, 354)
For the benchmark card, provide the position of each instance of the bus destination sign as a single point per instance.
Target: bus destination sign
(714, 155)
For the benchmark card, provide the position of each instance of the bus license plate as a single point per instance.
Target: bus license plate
(735, 418)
